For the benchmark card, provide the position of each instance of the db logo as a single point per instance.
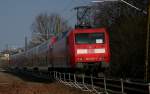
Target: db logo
(90, 47)
(90, 50)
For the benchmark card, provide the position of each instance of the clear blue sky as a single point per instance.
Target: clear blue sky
(16, 17)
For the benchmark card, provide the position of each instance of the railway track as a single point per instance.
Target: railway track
(101, 85)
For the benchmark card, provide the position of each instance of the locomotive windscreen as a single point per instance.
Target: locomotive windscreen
(89, 38)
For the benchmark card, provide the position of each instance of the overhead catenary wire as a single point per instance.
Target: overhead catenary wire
(123, 1)
(138, 9)
(64, 10)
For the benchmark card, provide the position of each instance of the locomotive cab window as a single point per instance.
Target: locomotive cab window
(89, 38)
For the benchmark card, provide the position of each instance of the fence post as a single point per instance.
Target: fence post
(105, 84)
(74, 78)
(83, 79)
(69, 77)
(122, 87)
(64, 77)
(92, 82)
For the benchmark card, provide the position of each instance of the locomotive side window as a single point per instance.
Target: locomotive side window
(89, 38)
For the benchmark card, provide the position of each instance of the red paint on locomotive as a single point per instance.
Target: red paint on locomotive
(89, 46)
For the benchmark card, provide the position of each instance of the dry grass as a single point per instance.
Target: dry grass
(10, 84)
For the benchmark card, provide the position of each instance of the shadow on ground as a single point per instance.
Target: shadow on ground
(30, 77)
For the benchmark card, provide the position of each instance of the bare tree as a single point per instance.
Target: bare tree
(46, 26)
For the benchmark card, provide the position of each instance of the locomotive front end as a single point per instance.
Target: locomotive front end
(92, 47)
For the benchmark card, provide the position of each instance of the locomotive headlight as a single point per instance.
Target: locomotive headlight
(82, 51)
(103, 58)
(79, 58)
(102, 50)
